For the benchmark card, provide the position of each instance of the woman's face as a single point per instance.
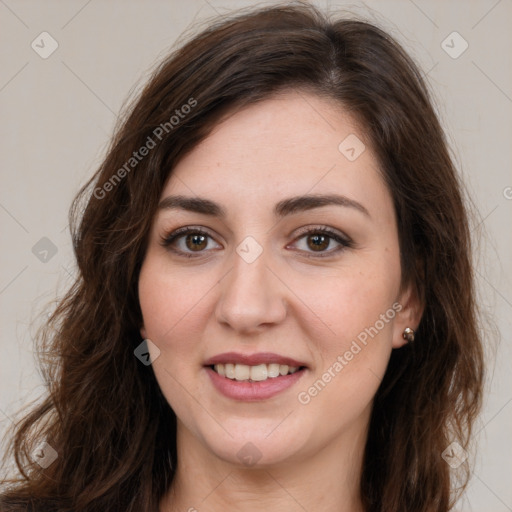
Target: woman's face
(292, 259)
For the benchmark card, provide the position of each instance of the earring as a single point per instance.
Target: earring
(408, 334)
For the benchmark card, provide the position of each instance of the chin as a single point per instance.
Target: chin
(257, 448)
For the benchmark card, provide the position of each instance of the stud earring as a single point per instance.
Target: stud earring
(408, 334)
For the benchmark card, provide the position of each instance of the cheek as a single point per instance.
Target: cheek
(352, 354)
(171, 307)
(353, 299)
(353, 342)
(169, 300)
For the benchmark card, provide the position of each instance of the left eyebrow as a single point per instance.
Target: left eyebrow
(302, 203)
(282, 208)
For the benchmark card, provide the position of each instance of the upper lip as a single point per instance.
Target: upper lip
(252, 359)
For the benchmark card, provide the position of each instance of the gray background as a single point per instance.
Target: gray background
(57, 115)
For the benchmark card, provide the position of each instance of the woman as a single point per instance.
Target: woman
(275, 302)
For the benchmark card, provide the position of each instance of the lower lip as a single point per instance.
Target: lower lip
(253, 391)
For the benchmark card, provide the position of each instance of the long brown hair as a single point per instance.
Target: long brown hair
(105, 415)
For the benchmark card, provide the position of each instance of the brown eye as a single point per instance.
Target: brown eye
(196, 242)
(190, 242)
(318, 242)
(321, 242)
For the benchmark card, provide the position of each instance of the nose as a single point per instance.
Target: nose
(252, 297)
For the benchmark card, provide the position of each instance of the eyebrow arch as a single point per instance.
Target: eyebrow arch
(282, 208)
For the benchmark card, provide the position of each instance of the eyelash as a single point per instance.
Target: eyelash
(168, 240)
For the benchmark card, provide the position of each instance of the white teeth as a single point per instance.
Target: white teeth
(273, 370)
(230, 371)
(242, 372)
(256, 373)
(259, 372)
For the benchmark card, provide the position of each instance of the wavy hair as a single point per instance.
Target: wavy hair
(104, 413)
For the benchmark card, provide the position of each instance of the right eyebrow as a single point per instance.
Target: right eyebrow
(193, 204)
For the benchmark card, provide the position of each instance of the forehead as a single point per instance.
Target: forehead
(291, 144)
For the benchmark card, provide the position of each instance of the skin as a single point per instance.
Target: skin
(308, 308)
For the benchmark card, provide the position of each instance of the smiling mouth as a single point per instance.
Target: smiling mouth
(257, 373)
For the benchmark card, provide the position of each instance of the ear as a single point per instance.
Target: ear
(143, 333)
(409, 314)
